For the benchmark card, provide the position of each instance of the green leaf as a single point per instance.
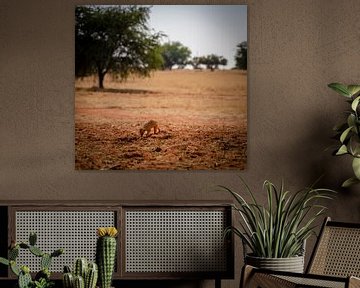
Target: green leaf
(355, 103)
(354, 145)
(340, 89)
(4, 261)
(345, 134)
(356, 167)
(351, 120)
(279, 228)
(342, 150)
(349, 182)
(353, 89)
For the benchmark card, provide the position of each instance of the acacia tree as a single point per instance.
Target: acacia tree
(115, 39)
(211, 61)
(241, 56)
(175, 53)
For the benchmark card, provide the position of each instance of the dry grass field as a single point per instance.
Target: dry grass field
(202, 117)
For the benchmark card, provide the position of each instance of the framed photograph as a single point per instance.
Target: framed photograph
(161, 87)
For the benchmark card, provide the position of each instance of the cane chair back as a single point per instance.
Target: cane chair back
(337, 252)
(335, 262)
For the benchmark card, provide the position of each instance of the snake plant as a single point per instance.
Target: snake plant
(279, 228)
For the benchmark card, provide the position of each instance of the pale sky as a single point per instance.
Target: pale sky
(205, 29)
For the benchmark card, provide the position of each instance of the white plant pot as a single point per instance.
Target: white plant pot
(291, 264)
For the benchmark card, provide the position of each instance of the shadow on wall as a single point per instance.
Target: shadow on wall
(333, 170)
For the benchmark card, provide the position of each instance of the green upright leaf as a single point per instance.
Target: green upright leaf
(355, 103)
(341, 89)
(279, 228)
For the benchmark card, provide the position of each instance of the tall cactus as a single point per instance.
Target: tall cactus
(106, 254)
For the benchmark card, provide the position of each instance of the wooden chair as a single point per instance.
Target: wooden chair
(335, 262)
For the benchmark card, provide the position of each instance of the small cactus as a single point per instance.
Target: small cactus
(44, 273)
(79, 282)
(91, 276)
(68, 280)
(84, 274)
(23, 273)
(81, 266)
(24, 277)
(106, 254)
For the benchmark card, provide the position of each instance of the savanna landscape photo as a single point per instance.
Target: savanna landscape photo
(149, 98)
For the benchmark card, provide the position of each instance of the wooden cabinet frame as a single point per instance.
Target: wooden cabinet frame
(120, 208)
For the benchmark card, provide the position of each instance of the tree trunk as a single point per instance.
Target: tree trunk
(101, 79)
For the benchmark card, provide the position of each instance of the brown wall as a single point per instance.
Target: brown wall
(296, 49)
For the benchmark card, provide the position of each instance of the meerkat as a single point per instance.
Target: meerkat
(148, 126)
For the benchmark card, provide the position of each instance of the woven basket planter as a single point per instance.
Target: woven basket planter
(291, 264)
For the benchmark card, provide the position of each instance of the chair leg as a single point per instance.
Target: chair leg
(246, 273)
(251, 279)
(217, 283)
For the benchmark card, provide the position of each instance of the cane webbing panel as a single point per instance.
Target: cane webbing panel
(338, 252)
(313, 282)
(174, 241)
(74, 231)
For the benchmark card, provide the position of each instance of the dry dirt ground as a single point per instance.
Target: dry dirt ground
(202, 117)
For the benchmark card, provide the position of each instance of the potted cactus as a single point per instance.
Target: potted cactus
(106, 254)
(84, 275)
(42, 278)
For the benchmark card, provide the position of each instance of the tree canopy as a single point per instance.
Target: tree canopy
(115, 39)
(175, 53)
(241, 56)
(211, 61)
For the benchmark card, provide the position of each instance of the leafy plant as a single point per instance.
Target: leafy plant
(43, 283)
(348, 132)
(280, 229)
